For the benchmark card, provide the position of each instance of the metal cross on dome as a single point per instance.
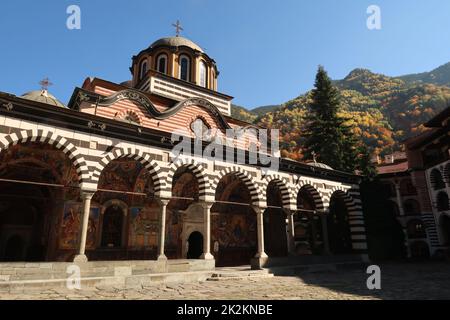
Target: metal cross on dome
(178, 27)
(45, 83)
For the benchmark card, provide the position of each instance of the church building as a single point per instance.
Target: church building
(98, 180)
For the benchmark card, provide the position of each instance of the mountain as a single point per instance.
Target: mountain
(243, 114)
(384, 110)
(438, 76)
(260, 111)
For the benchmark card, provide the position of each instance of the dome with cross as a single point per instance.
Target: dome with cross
(43, 96)
(177, 41)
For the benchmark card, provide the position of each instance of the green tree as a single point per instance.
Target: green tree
(324, 135)
(327, 134)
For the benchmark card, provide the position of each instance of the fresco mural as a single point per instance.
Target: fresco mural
(174, 228)
(70, 226)
(40, 154)
(234, 230)
(120, 175)
(144, 226)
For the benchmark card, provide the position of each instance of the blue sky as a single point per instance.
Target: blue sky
(267, 50)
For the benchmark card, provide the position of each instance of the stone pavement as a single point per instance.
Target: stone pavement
(398, 281)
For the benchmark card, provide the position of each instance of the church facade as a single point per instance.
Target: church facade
(99, 180)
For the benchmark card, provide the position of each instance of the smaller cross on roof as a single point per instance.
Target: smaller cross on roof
(45, 83)
(178, 28)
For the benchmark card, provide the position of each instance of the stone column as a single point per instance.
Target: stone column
(326, 244)
(290, 226)
(207, 231)
(399, 199)
(81, 256)
(261, 257)
(162, 229)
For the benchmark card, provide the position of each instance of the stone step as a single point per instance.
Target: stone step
(243, 277)
(124, 281)
(236, 274)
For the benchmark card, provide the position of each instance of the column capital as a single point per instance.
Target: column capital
(162, 201)
(207, 204)
(258, 210)
(87, 194)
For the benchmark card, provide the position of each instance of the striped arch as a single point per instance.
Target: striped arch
(51, 138)
(135, 154)
(352, 201)
(258, 198)
(204, 189)
(283, 184)
(331, 191)
(319, 200)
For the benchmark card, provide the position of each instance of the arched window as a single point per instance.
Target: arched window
(143, 70)
(411, 207)
(161, 63)
(185, 68)
(203, 74)
(131, 117)
(436, 179)
(442, 201)
(213, 80)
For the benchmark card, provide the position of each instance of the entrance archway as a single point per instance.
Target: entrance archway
(338, 225)
(195, 243)
(308, 225)
(112, 227)
(234, 230)
(36, 181)
(275, 234)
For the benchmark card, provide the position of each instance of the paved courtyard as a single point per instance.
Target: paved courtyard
(398, 281)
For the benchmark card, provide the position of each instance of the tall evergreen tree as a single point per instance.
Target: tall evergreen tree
(324, 134)
(327, 134)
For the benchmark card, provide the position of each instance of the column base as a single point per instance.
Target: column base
(259, 261)
(81, 258)
(207, 256)
(162, 257)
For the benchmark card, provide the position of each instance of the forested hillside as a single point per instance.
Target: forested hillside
(385, 110)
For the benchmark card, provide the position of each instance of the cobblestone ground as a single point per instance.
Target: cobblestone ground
(398, 281)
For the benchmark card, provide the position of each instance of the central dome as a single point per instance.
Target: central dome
(43, 96)
(176, 42)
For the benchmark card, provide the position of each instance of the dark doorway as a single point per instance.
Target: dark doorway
(14, 249)
(195, 242)
(112, 227)
(338, 227)
(446, 229)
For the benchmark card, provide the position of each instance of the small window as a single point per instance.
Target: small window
(203, 74)
(161, 63)
(185, 68)
(143, 70)
(131, 118)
